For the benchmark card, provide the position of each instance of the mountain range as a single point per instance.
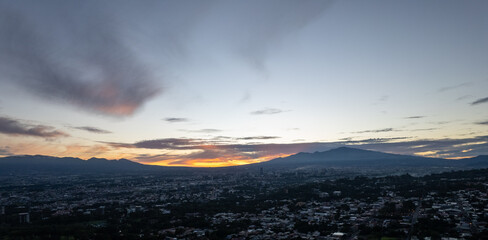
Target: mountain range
(339, 157)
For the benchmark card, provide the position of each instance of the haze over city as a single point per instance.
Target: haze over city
(221, 83)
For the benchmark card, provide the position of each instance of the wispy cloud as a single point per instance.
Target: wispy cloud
(15, 127)
(421, 129)
(257, 138)
(92, 129)
(246, 97)
(479, 101)
(205, 130)
(465, 84)
(415, 117)
(267, 111)
(353, 141)
(381, 100)
(463, 97)
(176, 119)
(377, 130)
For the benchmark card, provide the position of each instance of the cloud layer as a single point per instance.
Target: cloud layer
(15, 127)
(94, 55)
(202, 152)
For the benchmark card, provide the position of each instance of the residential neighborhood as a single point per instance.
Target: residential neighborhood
(274, 205)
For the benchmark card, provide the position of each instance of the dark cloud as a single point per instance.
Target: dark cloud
(483, 123)
(72, 53)
(15, 127)
(176, 119)
(415, 117)
(454, 86)
(481, 100)
(258, 138)
(267, 111)
(377, 130)
(92, 129)
(167, 143)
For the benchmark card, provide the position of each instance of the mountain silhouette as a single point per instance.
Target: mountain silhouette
(339, 157)
(354, 157)
(45, 164)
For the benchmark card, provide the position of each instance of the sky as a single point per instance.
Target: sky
(224, 82)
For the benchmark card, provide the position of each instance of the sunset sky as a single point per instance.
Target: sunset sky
(218, 83)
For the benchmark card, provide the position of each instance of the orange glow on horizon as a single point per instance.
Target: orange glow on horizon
(216, 162)
(103, 151)
(459, 158)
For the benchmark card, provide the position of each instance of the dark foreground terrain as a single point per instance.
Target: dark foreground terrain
(312, 204)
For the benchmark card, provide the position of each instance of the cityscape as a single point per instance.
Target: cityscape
(308, 204)
(243, 120)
